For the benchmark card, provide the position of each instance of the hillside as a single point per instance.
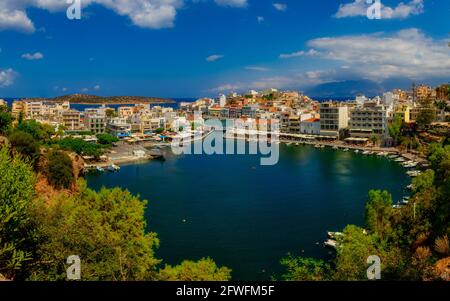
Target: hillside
(94, 99)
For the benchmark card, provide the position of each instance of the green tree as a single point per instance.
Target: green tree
(59, 169)
(40, 132)
(203, 270)
(25, 145)
(106, 229)
(423, 181)
(426, 116)
(16, 192)
(159, 130)
(379, 212)
(5, 120)
(81, 147)
(395, 129)
(106, 139)
(305, 269)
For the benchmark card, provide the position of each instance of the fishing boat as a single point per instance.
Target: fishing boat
(100, 169)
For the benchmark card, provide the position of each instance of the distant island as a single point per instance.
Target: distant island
(94, 99)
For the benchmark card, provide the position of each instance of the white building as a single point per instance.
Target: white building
(333, 118)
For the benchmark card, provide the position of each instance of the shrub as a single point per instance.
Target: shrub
(59, 169)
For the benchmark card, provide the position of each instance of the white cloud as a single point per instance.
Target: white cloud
(7, 77)
(407, 53)
(260, 19)
(214, 57)
(280, 6)
(33, 56)
(359, 8)
(257, 68)
(232, 3)
(310, 52)
(153, 14)
(97, 87)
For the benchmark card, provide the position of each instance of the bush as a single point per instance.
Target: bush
(25, 145)
(5, 120)
(59, 169)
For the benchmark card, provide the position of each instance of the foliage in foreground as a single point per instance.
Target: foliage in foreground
(203, 270)
(16, 192)
(106, 229)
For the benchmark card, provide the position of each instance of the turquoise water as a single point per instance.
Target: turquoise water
(247, 216)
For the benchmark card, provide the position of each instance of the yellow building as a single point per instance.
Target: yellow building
(403, 112)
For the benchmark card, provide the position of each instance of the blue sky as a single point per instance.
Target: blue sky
(192, 48)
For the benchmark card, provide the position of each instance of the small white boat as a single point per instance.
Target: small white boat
(335, 147)
(113, 167)
(405, 200)
(366, 153)
(357, 151)
(400, 159)
(330, 243)
(410, 187)
(397, 206)
(99, 169)
(334, 235)
(289, 143)
(346, 150)
(297, 144)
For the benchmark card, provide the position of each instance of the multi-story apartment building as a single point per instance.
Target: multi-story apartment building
(95, 123)
(125, 112)
(33, 109)
(333, 118)
(369, 120)
(72, 120)
(118, 127)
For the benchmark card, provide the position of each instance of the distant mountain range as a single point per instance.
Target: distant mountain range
(349, 88)
(94, 99)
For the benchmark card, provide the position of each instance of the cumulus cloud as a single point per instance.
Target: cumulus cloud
(153, 14)
(232, 3)
(33, 56)
(214, 57)
(260, 19)
(407, 53)
(280, 6)
(358, 8)
(7, 77)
